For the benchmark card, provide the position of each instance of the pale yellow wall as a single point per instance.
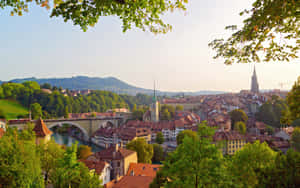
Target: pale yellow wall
(130, 159)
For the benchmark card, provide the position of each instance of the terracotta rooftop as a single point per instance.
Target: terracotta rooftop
(41, 129)
(98, 166)
(231, 135)
(142, 169)
(108, 154)
(1, 132)
(134, 182)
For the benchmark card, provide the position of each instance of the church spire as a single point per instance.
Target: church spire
(154, 93)
(254, 82)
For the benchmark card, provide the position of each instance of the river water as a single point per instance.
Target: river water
(68, 141)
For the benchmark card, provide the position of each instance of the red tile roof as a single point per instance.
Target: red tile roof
(108, 154)
(134, 182)
(41, 129)
(142, 169)
(231, 135)
(1, 132)
(98, 166)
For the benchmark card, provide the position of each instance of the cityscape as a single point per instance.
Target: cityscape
(232, 122)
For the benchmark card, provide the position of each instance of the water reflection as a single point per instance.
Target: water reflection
(68, 141)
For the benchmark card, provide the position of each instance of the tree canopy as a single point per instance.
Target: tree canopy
(237, 115)
(143, 149)
(293, 100)
(142, 14)
(270, 33)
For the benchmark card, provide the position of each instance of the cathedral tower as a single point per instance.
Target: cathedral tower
(254, 83)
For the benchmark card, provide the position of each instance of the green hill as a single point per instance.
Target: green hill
(12, 109)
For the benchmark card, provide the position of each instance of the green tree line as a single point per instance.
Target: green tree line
(57, 104)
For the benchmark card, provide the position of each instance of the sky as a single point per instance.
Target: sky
(35, 45)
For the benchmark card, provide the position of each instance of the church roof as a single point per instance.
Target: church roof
(41, 129)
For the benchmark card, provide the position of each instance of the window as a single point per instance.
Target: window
(118, 164)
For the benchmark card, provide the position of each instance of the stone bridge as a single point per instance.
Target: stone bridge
(87, 125)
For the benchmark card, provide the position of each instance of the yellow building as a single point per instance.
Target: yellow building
(230, 141)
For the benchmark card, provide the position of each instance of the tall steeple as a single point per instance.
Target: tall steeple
(154, 107)
(254, 82)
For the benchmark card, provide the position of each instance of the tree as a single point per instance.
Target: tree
(296, 123)
(143, 149)
(165, 114)
(249, 164)
(271, 33)
(50, 153)
(66, 115)
(46, 86)
(84, 151)
(143, 14)
(36, 110)
(72, 173)
(159, 138)
(179, 108)
(19, 160)
(272, 112)
(195, 163)
(182, 134)
(270, 130)
(158, 153)
(2, 114)
(236, 116)
(293, 100)
(240, 127)
(295, 140)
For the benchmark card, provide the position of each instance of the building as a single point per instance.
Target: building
(118, 158)
(142, 169)
(231, 141)
(3, 124)
(101, 168)
(1, 132)
(254, 83)
(131, 182)
(106, 137)
(139, 175)
(41, 131)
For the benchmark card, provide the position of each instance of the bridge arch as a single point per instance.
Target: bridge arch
(60, 124)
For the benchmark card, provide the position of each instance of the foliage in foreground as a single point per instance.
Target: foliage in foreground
(199, 163)
(25, 164)
(270, 33)
(142, 14)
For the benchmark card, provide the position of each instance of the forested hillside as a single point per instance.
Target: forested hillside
(56, 104)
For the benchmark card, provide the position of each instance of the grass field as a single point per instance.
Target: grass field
(12, 109)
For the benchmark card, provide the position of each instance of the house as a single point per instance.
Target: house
(101, 168)
(118, 158)
(139, 175)
(106, 137)
(41, 131)
(131, 182)
(3, 124)
(142, 169)
(231, 141)
(282, 134)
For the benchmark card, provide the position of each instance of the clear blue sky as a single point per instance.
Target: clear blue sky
(35, 45)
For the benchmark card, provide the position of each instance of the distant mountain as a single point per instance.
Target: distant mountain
(108, 84)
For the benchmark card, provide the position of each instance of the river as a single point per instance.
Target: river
(68, 141)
